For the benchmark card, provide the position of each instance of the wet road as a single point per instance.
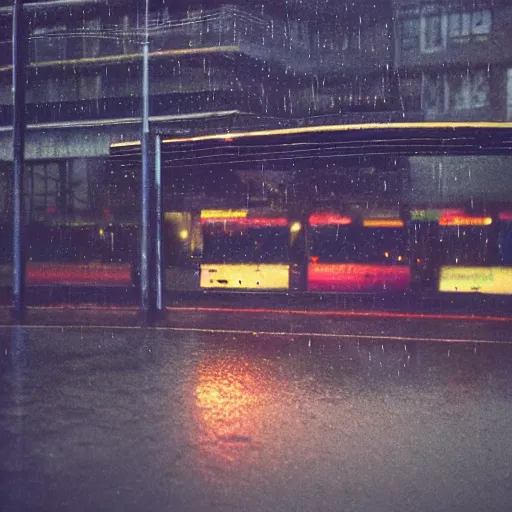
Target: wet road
(108, 419)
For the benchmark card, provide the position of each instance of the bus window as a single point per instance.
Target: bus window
(367, 256)
(472, 256)
(245, 252)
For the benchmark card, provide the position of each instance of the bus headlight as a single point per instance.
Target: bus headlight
(295, 227)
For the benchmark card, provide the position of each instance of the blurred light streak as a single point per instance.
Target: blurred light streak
(67, 273)
(345, 128)
(363, 314)
(506, 216)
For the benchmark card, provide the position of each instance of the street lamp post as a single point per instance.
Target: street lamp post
(18, 147)
(146, 302)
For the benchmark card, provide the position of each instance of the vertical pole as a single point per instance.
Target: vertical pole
(145, 178)
(158, 225)
(18, 146)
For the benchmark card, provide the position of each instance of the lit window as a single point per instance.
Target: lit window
(460, 24)
(432, 31)
(465, 24)
(409, 32)
(481, 22)
(469, 90)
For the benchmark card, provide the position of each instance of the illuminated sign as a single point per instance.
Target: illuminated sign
(321, 219)
(223, 214)
(263, 222)
(425, 215)
(464, 220)
(491, 280)
(383, 223)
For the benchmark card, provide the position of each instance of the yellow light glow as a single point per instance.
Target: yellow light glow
(223, 214)
(386, 254)
(400, 258)
(295, 227)
(324, 128)
(183, 234)
(101, 232)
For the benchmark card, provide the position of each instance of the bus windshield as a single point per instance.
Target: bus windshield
(231, 243)
(460, 245)
(356, 244)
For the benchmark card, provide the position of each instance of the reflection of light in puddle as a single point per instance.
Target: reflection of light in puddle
(229, 396)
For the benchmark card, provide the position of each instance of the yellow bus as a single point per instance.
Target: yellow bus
(246, 250)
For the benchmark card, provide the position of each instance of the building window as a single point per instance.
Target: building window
(460, 24)
(409, 33)
(481, 22)
(432, 97)
(466, 24)
(455, 91)
(432, 31)
(468, 90)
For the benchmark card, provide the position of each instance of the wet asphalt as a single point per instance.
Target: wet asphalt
(97, 417)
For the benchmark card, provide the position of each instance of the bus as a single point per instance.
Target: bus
(465, 251)
(356, 251)
(247, 250)
(309, 177)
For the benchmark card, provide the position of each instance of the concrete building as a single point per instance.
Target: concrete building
(270, 64)
(454, 58)
(228, 66)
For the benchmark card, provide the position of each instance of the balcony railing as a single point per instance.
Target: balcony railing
(225, 27)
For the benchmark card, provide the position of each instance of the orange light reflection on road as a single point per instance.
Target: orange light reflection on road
(228, 398)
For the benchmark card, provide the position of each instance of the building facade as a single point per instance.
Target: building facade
(273, 64)
(454, 58)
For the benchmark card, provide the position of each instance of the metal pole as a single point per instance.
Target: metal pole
(158, 225)
(145, 178)
(18, 146)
